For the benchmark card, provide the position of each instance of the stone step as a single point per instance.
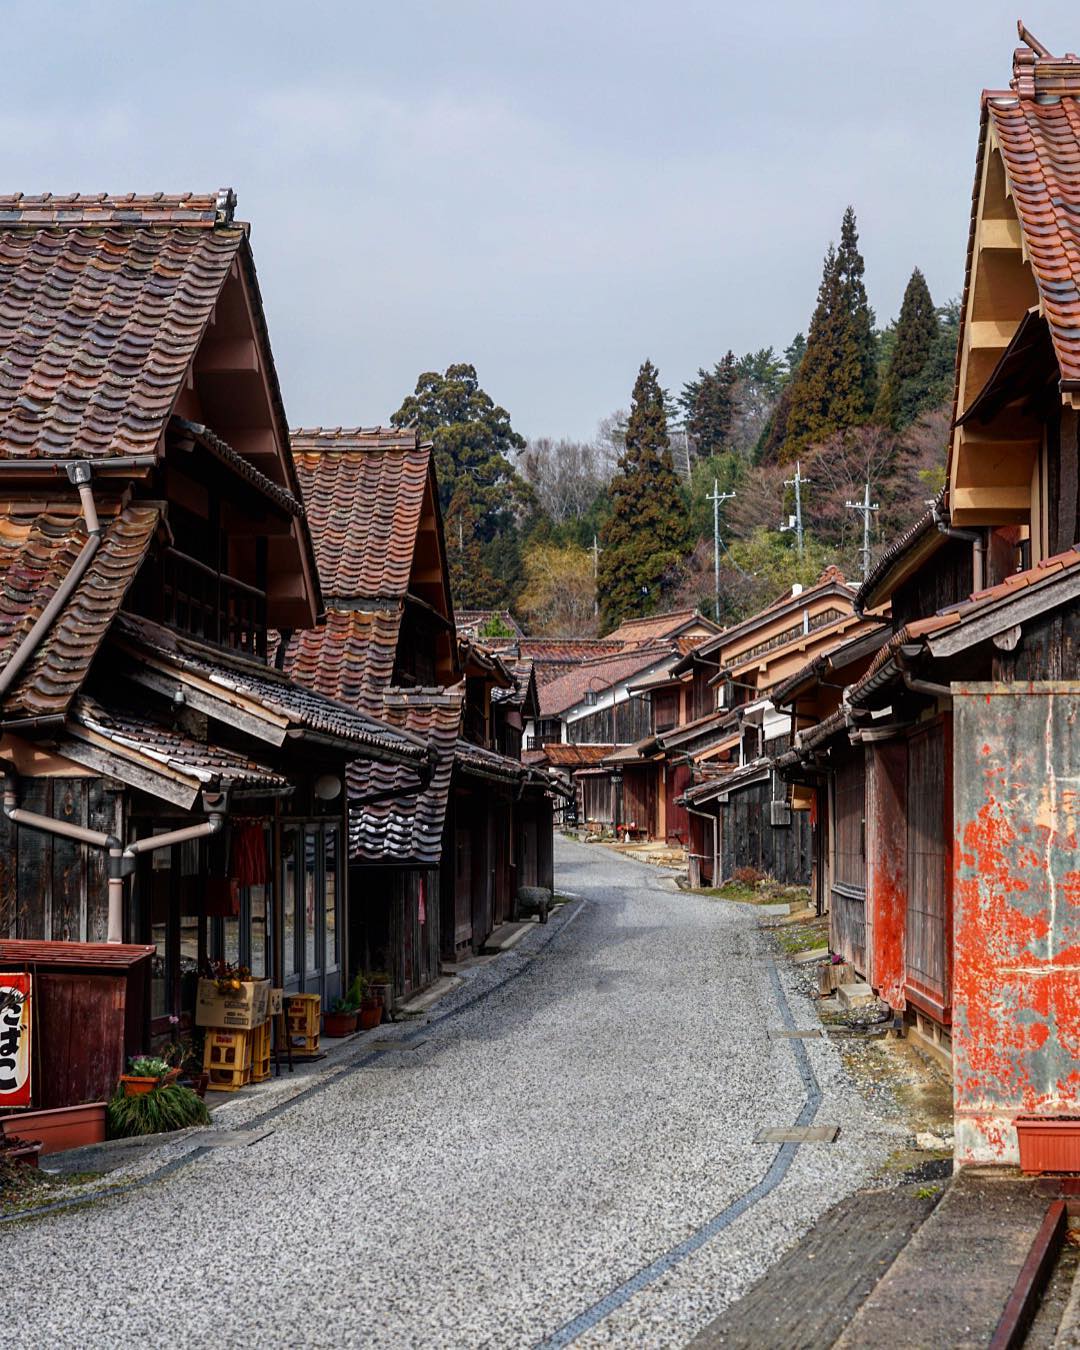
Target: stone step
(856, 994)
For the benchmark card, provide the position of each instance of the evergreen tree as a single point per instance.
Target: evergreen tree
(709, 406)
(835, 386)
(932, 387)
(774, 434)
(480, 491)
(645, 538)
(915, 337)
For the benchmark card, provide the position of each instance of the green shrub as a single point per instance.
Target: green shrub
(154, 1112)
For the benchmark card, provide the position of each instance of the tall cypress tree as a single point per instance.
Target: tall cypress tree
(835, 386)
(916, 335)
(645, 538)
(709, 406)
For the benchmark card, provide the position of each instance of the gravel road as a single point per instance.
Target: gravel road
(577, 1109)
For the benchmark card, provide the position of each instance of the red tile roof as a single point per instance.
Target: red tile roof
(1037, 124)
(364, 493)
(103, 302)
(570, 689)
(565, 756)
(350, 657)
(37, 551)
(652, 627)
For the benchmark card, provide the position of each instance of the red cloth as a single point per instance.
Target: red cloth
(249, 856)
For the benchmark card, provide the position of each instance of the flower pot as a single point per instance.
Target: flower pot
(1049, 1143)
(136, 1084)
(339, 1023)
(61, 1128)
(383, 992)
(371, 1011)
(197, 1082)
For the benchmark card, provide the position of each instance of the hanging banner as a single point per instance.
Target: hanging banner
(14, 1039)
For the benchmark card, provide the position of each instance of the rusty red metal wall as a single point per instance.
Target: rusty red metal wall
(1016, 973)
(886, 865)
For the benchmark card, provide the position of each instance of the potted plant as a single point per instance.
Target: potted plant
(360, 996)
(187, 1057)
(340, 1018)
(168, 1106)
(146, 1072)
(58, 1127)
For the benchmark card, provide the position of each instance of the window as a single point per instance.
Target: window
(311, 946)
(331, 856)
(288, 901)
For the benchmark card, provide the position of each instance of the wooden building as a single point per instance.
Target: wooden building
(965, 717)
(434, 864)
(163, 783)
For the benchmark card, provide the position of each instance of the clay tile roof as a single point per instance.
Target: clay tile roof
(103, 302)
(570, 689)
(364, 493)
(136, 735)
(484, 763)
(350, 657)
(264, 687)
(223, 451)
(639, 632)
(470, 621)
(407, 828)
(37, 551)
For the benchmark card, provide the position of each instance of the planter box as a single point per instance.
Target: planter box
(339, 1024)
(135, 1085)
(59, 1129)
(1049, 1143)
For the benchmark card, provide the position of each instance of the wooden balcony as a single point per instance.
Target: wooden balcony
(212, 606)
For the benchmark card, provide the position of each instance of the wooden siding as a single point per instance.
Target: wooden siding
(926, 948)
(847, 891)
(596, 799)
(639, 797)
(747, 839)
(53, 888)
(633, 721)
(949, 579)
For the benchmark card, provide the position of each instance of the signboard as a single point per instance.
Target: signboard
(14, 1040)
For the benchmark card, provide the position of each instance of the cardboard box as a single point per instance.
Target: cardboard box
(241, 1009)
(276, 996)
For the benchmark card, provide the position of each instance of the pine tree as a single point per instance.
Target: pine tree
(645, 538)
(916, 335)
(709, 406)
(835, 387)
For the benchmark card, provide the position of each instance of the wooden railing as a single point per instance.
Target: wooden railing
(212, 606)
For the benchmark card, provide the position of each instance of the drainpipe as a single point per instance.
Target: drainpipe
(79, 474)
(975, 537)
(121, 859)
(925, 686)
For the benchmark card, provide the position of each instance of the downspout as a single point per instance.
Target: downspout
(924, 686)
(121, 859)
(79, 474)
(975, 537)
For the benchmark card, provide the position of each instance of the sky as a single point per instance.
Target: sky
(553, 192)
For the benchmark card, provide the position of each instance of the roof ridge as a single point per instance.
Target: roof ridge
(60, 211)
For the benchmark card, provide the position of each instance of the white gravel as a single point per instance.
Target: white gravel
(543, 1144)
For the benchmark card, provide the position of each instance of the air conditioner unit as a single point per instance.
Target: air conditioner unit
(779, 814)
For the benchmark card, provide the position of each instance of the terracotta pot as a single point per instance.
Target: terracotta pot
(1049, 1143)
(61, 1128)
(384, 992)
(370, 1014)
(339, 1023)
(136, 1084)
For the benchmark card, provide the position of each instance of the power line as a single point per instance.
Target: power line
(716, 497)
(866, 510)
(798, 483)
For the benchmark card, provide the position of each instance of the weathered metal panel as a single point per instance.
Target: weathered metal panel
(1016, 975)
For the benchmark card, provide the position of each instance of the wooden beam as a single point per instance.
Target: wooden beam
(264, 726)
(1000, 234)
(226, 356)
(179, 791)
(999, 505)
(997, 333)
(1026, 602)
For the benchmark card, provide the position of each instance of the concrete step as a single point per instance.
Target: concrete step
(507, 935)
(855, 994)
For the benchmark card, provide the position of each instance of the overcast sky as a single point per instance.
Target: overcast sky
(551, 191)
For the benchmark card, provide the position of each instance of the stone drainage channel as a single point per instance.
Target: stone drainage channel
(255, 1129)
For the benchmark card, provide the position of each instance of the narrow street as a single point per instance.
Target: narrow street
(561, 1150)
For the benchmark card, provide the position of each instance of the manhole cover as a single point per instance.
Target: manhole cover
(800, 1034)
(799, 1134)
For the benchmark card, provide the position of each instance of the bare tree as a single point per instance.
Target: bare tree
(566, 475)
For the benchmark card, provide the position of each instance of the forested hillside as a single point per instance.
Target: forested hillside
(574, 536)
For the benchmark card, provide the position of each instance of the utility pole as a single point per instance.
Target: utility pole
(716, 497)
(595, 550)
(866, 510)
(798, 483)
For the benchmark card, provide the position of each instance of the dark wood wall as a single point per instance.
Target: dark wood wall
(53, 888)
(847, 897)
(949, 577)
(747, 839)
(633, 721)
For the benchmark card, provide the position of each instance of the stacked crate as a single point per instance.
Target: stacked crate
(227, 1059)
(260, 1052)
(302, 1012)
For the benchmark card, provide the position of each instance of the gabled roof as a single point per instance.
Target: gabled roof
(652, 628)
(364, 490)
(829, 663)
(570, 690)
(37, 551)
(103, 302)
(470, 621)
(565, 756)
(901, 557)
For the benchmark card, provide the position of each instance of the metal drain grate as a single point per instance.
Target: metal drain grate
(799, 1134)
